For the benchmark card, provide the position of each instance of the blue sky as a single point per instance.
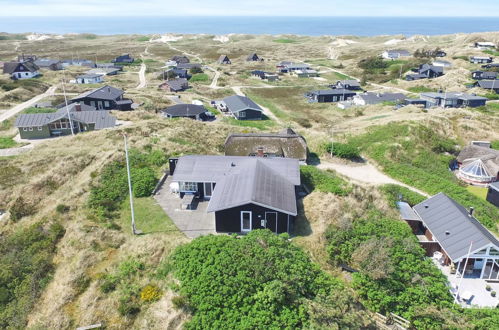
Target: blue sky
(248, 8)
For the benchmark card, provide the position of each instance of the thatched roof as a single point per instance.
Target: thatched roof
(489, 157)
(283, 144)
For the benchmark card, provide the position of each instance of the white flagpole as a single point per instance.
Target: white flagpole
(134, 229)
(66, 101)
(464, 271)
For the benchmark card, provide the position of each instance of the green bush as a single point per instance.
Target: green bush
(495, 144)
(393, 191)
(195, 70)
(7, 142)
(343, 150)
(62, 208)
(26, 268)
(21, 209)
(259, 281)
(373, 63)
(323, 181)
(143, 181)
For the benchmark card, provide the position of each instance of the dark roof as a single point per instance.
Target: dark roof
(453, 227)
(46, 62)
(353, 83)
(89, 75)
(11, 67)
(87, 115)
(176, 84)
(335, 91)
(102, 93)
(223, 58)
(269, 182)
(406, 212)
(426, 67)
(374, 98)
(180, 59)
(454, 95)
(494, 186)
(286, 143)
(488, 84)
(252, 57)
(184, 110)
(236, 103)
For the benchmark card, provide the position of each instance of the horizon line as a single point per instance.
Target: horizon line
(266, 16)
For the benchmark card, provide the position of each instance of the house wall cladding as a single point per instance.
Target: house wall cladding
(35, 133)
(250, 114)
(229, 221)
(493, 197)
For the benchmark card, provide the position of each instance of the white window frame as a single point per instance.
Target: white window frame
(31, 129)
(25, 129)
(40, 128)
(242, 114)
(250, 220)
(193, 187)
(276, 220)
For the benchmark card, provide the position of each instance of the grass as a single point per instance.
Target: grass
(491, 52)
(421, 89)
(38, 110)
(284, 41)
(271, 106)
(7, 142)
(480, 192)
(149, 217)
(199, 77)
(143, 38)
(263, 124)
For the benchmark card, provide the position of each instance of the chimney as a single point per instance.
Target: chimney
(109, 89)
(472, 209)
(259, 152)
(233, 164)
(77, 107)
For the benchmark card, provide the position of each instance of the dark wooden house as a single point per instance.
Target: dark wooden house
(125, 58)
(245, 193)
(242, 107)
(224, 59)
(493, 193)
(330, 95)
(104, 98)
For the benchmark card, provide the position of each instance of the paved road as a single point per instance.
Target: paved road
(20, 107)
(364, 173)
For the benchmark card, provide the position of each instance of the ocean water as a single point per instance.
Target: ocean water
(309, 26)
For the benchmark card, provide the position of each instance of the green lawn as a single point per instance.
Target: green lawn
(7, 142)
(480, 192)
(263, 124)
(38, 110)
(199, 77)
(149, 217)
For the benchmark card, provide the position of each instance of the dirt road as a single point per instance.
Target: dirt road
(364, 173)
(20, 107)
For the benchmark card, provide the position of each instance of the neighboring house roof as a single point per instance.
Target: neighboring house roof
(374, 98)
(442, 63)
(269, 182)
(488, 84)
(11, 67)
(427, 67)
(102, 93)
(188, 66)
(103, 70)
(488, 156)
(351, 83)
(286, 143)
(236, 103)
(89, 76)
(406, 212)
(87, 115)
(399, 52)
(223, 58)
(454, 95)
(453, 227)
(180, 59)
(184, 110)
(335, 91)
(176, 84)
(46, 62)
(252, 57)
(494, 186)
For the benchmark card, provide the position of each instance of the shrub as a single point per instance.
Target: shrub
(20, 209)
(150, 293)
(373, 63)
(343, 150)
(109, 284)
(62, 208)
(495, 144)
(258, 281)
(393, 191)
(143, 181)
(195, 70)
(180, 302)
(323, 181)
(81, 284)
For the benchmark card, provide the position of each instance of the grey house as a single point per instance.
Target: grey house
(488, 84)
(180, 59)
(353, 85)
(443, 225)
(285, 144)
(242, 107)
(330, 95)
(493, 193)
(395, 54)
(426, 71)
(483, 75)
(245, 193)
(82, 117)
(481, 59)
(193, 111)
(125, 58)
(78, 62)
(175, 85)
(104, 98)
(223, 59)
(288, 67)
(453, 100)
(253, 58)
(49, 64)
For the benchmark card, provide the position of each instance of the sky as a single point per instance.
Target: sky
(248, 8)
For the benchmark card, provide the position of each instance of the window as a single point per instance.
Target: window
(493, 252)
(189, 186)
(40, 128)
(25, 129)
(31, 129)
(245, 221)
(106, 104)
(242, 114)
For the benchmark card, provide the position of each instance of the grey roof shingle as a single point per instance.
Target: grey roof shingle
(11, 67)
(335, 91)
(406, 212)
(269, 182)
(236, 103)
(488, 84)
(102, 93)
(374, 98)
(184, 110)
(453, 227)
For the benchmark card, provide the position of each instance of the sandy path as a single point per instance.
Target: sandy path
(214, 82)
(20, 107)
(364, 173)
(15, 151)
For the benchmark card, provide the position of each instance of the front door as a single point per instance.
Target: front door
(245, 221)
(208, 190)
(271, 221)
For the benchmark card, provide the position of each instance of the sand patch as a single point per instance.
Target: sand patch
(166, 38)
(343, 42)
(223, 39)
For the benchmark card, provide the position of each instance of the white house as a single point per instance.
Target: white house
(485, 45)
(90, 78)
(395, 54)
(21, 70)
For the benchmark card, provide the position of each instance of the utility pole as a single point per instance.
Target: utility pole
(134, 229)
(66, 102)
(332, 141)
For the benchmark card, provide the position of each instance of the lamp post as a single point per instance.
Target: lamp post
(134, 229)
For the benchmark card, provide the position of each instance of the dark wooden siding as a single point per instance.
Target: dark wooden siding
(229, 221)
(493, 197)
(251, 115)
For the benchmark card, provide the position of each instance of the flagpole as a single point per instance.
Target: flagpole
(134, 229)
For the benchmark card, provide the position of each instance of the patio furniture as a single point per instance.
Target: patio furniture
(466, 296)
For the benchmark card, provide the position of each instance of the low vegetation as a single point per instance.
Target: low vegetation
(285, 41)
(260, 280)
(26, 264)
(199, 77)
(343, 150)
(323, 181)
(7, 142)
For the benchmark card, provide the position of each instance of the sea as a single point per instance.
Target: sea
(307, 26)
